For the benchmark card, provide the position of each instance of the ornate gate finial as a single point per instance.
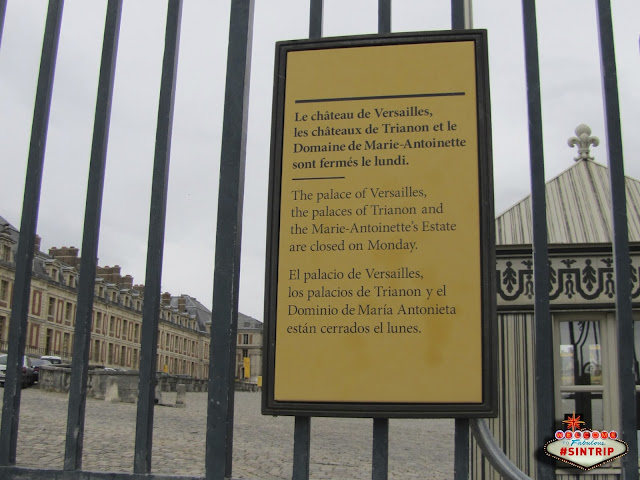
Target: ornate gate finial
(583, 140)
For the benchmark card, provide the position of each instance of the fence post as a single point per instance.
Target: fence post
(543, 332)
(226, 278)
(155, 248)
(621, 254)
(89, 260)
(26, 244)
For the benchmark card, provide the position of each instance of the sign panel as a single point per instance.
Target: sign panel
(247, 367)
(380, 295)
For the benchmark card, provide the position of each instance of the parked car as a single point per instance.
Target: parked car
(54, 359)
(28, 375)
(37, 363)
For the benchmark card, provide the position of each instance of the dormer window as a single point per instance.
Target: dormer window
(6, 253)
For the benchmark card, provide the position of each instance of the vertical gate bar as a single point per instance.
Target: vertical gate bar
(380, 453)
(155, 248)
(226, 278)
(457, 14)
(622, 259)
(315, 18)
(302, 428)
(26, 243)
(543, 330)
(90, 237)
(3, 11)
(380, 457)
(384, 16)
(460, 20)
(461, 14)
(461, 449)
(301, 448)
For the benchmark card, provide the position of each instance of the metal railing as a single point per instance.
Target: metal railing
(219, 435)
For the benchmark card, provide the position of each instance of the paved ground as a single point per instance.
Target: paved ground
(263, 446)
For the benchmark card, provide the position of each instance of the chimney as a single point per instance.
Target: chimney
(110, 274)
(127, 282)
(182, 304)
(166, 298)
(68, 255)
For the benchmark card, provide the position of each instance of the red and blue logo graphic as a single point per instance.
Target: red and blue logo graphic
(585, 448)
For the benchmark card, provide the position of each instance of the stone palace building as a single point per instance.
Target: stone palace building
(184, 326)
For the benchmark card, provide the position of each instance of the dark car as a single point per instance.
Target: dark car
(37, 363)
(28, 375)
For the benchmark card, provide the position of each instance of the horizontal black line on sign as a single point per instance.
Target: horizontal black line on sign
(317, 178)
(381, 97)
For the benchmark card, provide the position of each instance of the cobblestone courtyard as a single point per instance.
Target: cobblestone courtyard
(263, 446)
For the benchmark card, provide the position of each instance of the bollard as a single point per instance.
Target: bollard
(181, 395)
(158, 396)
(111, 393)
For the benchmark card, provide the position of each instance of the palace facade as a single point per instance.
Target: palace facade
(184, 323)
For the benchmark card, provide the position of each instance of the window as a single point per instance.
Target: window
(65, 345)
(245, 353)
(96, 350)
(586, 368)
(34, 335)
(245, 338)
(6, 253)
(3, 326)
(98, 321)
(136, 331)
(112, 325)
(51, 310)
(4, 290)
(124, 329)
(48, 341)
(68, 311)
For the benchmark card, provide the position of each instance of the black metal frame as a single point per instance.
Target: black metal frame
(488, 407)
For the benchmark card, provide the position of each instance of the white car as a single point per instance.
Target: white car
(28, 374)
(54, 359)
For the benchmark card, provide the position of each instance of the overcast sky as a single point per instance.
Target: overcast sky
(571, 92)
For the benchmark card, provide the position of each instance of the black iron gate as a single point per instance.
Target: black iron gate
(219, 439)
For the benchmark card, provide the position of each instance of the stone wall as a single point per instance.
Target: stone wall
(115, 386)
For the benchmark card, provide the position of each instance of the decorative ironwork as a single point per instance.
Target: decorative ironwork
(571, 278)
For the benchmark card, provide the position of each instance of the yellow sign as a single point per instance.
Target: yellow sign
(247, 367)
(379, 282)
